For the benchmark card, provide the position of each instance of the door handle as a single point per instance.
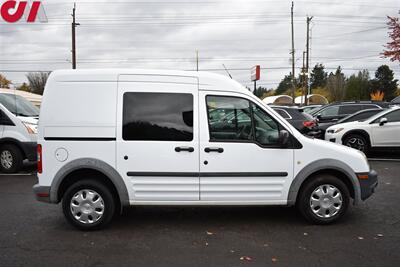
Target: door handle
(184, 148)
(213, 149)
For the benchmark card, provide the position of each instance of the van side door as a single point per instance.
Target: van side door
(241, 161)
(157, 137)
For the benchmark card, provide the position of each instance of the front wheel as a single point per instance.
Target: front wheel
(323, 200)
(10, 159)
(357, 141)
(88, 205)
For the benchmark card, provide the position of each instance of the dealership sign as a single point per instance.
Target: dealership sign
(255, 73)
(13, 11)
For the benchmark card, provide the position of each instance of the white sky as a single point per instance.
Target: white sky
(166, 34)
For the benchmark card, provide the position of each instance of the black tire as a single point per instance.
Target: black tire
(10, 158)
(307, 191)
(93, 186)
(357, 141)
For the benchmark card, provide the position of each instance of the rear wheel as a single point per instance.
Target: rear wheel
(357, 141)
(10, 159)
(323, 200)
(88, 205)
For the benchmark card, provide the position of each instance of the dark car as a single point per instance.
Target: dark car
(336, 111)
(358, 116)
(302, 121)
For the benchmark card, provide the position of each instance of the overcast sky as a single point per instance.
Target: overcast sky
(166, 35)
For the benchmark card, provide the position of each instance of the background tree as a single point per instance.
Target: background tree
(357, 86)
(260, 91)
(24, 87)
(37, 81)
(318, 76)
(393, 47)
(384, 81)
(4, 83)
(284, 85)
(336, 85)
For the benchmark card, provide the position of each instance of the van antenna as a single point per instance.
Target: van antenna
(227, 71)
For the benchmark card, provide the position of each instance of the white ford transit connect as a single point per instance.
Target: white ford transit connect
(114, 138)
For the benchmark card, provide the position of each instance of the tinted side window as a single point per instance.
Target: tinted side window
(229, 118)
(393, 116)
(283, 113)
(157, 116)
(330, 111)
(363, 115)
(349, 109)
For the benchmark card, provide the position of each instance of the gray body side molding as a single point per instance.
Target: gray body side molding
(323, 164)
(94, 164)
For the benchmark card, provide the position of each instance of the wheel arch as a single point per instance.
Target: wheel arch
(97, 169)
(333, 167)
(15, 142)
(363, 133)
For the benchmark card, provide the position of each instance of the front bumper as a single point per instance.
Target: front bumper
(29, 149)
(42, 193)
(368, 183)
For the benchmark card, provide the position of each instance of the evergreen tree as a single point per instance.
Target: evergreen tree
(318, 76)
(284, 85)
(384, 81)
(357, 86)
(336, 85)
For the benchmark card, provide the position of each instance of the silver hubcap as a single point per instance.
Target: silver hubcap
(326, 201)
(356, 143)
(87, 206)
(6, 159)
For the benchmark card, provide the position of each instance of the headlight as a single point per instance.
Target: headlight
(335, 130)
(31, 128)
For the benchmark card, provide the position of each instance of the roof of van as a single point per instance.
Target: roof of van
(207, 80)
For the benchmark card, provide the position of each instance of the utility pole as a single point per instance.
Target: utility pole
(73, 25)
(197, 60)
(308, 53)
(293, 74)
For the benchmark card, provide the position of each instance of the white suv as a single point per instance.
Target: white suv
(18, 132)
(109, 139)
(378, 131)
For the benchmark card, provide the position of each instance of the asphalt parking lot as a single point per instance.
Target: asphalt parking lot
(36, 234)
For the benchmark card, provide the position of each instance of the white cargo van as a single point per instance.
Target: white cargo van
(18, 128)
(113, 138)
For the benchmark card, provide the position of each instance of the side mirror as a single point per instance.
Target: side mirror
(382, 121)
(284, 138)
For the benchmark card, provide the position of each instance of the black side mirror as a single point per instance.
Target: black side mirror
(284, 138)
(382, 121)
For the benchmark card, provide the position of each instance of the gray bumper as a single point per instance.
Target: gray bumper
(368, 185)
(42, 193)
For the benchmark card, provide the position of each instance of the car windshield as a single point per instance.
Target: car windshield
(372, 118)
(18, 105)
(360, 116)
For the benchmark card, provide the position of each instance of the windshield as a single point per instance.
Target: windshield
(18, 105)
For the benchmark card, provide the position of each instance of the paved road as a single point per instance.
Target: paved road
(36, 234)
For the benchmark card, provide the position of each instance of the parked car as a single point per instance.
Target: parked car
(302, 121)
(395, 101)
(379, 131)
(152, 137)
(358, 116)
(336, 111)
(18, 128)
(310, 108)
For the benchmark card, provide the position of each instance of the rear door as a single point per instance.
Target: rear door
(241, 161)
(157, 137)
(387, 134)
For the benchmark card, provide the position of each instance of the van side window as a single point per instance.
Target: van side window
(229, 118)
(157, 116)
(237, 119)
